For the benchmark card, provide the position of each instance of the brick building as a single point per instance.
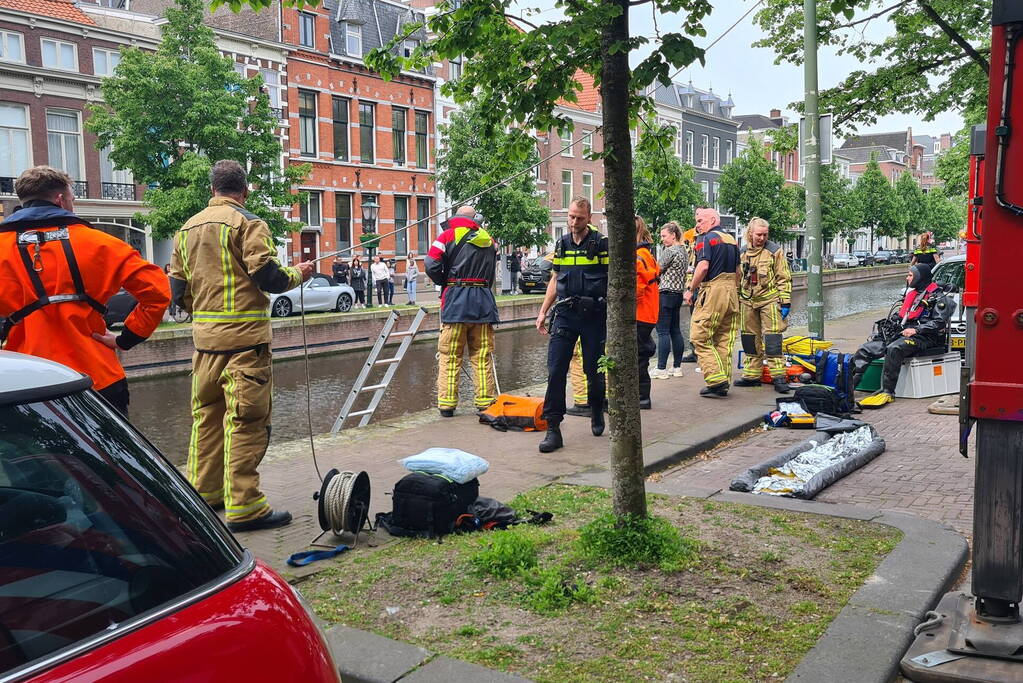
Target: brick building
(760, 127)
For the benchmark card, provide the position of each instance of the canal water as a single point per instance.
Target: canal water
(159, 406)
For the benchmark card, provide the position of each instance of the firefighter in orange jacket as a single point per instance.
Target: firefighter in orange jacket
(647, 307)
(56, 274)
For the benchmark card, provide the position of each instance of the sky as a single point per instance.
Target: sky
(758, 85)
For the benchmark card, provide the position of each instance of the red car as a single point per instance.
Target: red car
(112, 568)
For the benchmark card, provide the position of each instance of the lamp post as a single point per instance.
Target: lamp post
(369, 239)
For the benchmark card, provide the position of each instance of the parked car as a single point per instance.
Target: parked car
(845, 260)
(902, 255)
(951, 274)
(536, 275)
(320, 293)
(885, 256)
(115, 569)
(865, 257)
(119, 307)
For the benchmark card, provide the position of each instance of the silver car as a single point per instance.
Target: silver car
(845, 260)
(951, 274)
(320, 293)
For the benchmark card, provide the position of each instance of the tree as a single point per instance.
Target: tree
(752, 186)
(945, 217)
(933, 59)
(169, 114)
(653, 203)
(522, 75)
(840, 213)
(912, 204)
(467, 165)
(878, 203)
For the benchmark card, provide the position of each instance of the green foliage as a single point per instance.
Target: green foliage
(637, 541)
(507, 554)
(912, 204)
(168, 115)
(879, 205)
(655, 202)
(911, 66)
(554, 589)
(468, 165)
(752, 186)
(945, 216)
(840, 213)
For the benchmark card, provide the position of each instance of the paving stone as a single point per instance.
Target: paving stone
(364, 657)
(447, 670)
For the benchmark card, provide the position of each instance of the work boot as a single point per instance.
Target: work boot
(715, 390)
(597, 422)
(271, 521)
(578, 410)
(689, 358)
(747, 382)
(447, 412)
(781, 385)
(645, 404)
(553, 440)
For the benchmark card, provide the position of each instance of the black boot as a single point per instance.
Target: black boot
(553, 440)
(597, 422)
(716, 390)
(781, 385)
(747, 382)
(577, 410)
(645, 404)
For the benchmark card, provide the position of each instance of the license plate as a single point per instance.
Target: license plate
(958, 342)
(529, 282)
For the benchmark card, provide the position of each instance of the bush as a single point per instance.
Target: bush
(554, 589)
(507, 555)
(637, 542)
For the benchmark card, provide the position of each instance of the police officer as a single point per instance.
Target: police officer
(579, 285)
(765, 297)
(716, 314)
(224, 260)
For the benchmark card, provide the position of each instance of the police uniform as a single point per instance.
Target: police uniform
(715, 320)
(223, 263)
(766, 286)
(581, 272)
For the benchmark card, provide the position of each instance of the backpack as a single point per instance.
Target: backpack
(835, 370)
(519, 413)
(817, 398)
(428, 504)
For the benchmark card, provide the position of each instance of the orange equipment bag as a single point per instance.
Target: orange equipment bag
(519, 413)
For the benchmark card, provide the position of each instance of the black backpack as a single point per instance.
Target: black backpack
(429, 504)
(817, 398)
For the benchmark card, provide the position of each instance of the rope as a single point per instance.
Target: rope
(932, 619)
(308, 382)
(335, 502)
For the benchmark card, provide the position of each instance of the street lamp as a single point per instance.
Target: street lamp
(369, 239)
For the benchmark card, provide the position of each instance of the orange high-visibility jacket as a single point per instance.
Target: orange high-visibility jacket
(56, 274)
(647, 288)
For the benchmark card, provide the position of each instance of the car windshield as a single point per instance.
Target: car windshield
(951, 274)
(96, 529)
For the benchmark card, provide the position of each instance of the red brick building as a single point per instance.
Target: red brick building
(761, 126)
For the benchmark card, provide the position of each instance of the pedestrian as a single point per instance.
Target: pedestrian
(463, 261)
(340, 270)
(647, 306)
(56, 274)
(686, 313)
(515, 267)
(358, 277)
(673, 262)
(171, 308)
(765, 298)
(223, 266)
(925, 253)
(411, 275)
(579, 286)
(378, 273)
(714, 291)
(392, 272)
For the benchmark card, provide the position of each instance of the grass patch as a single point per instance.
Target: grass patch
(701, 596)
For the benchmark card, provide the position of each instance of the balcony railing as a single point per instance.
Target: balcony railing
(124, 192)
(80, 189)
(278, 112)
(7, 185)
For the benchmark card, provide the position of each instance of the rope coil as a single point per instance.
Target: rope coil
(344, 502)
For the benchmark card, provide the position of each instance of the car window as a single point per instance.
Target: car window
(95, 529)
(319, 282)
(951, 273)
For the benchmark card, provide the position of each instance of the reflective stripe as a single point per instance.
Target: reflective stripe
(226, 269)
(600, 259)
(230, 316)
(193, 440)
(183, 253)
(437, 244)
(239, 510)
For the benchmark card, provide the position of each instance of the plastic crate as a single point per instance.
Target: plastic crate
(871, 380)
(929, 376)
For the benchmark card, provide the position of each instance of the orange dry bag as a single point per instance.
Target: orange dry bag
(520, 413)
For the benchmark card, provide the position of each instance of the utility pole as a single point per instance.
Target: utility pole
(812, 161)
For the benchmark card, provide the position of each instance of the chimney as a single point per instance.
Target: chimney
(775, 114)
(946, 141)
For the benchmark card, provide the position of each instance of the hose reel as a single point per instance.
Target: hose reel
(343, 503)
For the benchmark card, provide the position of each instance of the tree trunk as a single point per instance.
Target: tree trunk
(628, 491)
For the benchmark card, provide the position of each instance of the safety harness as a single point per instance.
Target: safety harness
(30, 243)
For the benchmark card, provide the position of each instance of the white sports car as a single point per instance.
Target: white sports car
(320, 293)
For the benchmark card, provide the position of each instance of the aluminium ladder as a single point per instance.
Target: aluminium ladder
(373, 361)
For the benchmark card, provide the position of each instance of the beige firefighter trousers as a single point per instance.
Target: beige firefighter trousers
(714, 326)
(577, 378)
(758, 321)
(454, 337)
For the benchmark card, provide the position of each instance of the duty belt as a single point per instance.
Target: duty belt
(466, 283)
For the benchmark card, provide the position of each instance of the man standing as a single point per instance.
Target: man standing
(765, 299)
(56, 274)
(463, 262)
(514, 267)
(340, 270)
(579, 284)
(716, 314)
(224, 262)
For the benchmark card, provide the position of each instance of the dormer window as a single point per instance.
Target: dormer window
(353, 40)
(409, 47)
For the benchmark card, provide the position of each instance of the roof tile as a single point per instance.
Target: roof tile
(58, 9)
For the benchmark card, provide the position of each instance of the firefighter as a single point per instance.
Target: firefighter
(765, 297)
(463, 261)
(577, 384)
(647, 308)
(920, 327)
(715, 318)
(579, 285)
(223, 264)
(56, 274)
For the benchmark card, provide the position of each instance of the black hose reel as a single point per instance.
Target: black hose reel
(343, 504)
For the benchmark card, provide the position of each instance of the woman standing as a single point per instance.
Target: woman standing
(925, 253)
(411, 274)
(647, 273)
(379, 273)
(391, 273)
(673, 262)
(358, 277)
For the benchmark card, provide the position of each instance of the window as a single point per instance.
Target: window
(307, 29)
(422, 139)
(717, 202)
(367, 117)
(588, 186)
(115, 183)
(15, 155)
(400, 222)
(588, 144)
(566, 142)
(705, 188)
(678, 140)
(59, 55)
(104, 61)
(340, 108)
(307, 123)
(633, 136)
(408, 47)
(353, 40)
(566, 188)
(704, 151)
(716, 151)
(343, 219)
(689, 147)
(11, 49)
(398, 116)
(272, 81)
(423, 232)
(63, 140)
(455, 68)
(309, 210)
(729, 151)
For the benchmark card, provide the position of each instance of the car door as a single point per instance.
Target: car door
(316, 293)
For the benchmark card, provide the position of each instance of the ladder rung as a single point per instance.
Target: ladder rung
(406, 333)
(374, 387)
(359, 412)
(385, 361)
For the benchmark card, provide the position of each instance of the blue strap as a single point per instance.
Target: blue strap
(305, 557)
